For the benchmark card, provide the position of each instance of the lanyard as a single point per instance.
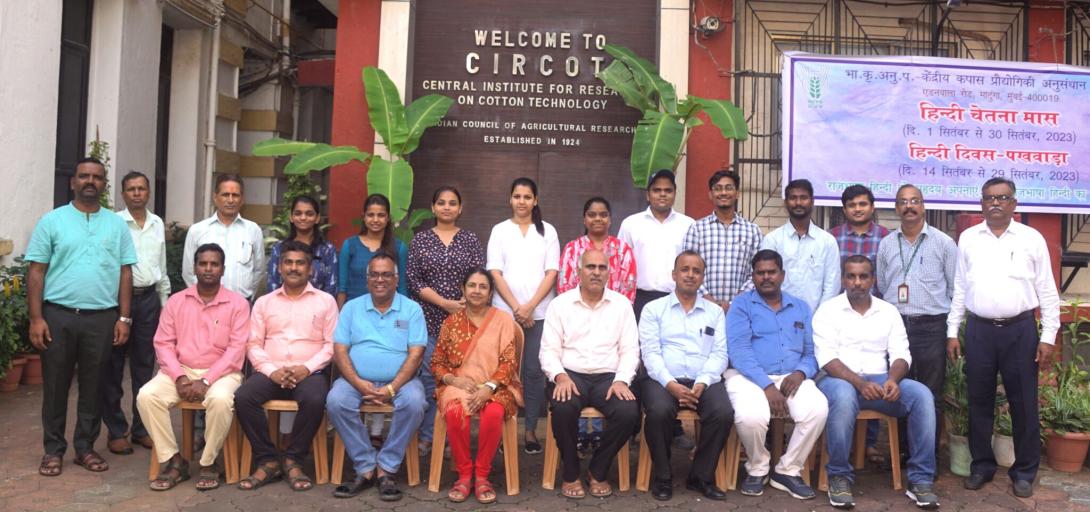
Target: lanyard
(901, 249)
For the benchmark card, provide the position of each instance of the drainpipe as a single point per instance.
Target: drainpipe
(213, 104)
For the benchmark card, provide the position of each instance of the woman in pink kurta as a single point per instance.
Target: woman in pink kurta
(622, 264)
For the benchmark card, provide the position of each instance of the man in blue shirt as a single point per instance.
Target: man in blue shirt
(684, 349)
(772, 348)
(79, 286)
(378, 347)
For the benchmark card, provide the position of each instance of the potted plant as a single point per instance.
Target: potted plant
(1065, 408)
(1002, 439)
(956, 397)
(13, 324)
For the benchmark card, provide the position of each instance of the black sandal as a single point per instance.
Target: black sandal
(299, 483)
(208, 478)
(166, 480)
(272, 472)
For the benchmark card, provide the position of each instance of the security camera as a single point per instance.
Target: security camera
(710, 25)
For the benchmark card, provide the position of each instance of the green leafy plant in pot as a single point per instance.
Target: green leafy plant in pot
(1065, 407)
(956, 414)
(1002, 439)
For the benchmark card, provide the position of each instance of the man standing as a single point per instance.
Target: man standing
(684, 349)
(916, 265)
(241, 240)
(150, 289)
(291, 343)
(810, 255)
(772, 350)
(860, 342)
(656, 236)
(200, 346)
(861, 233)
(726, 241)
(378, 347)
(79, 286)
(589, 353)
(1004, 273)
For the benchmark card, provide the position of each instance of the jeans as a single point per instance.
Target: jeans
(343, 405)
(533, 379)
(427, 425)
(915, 402)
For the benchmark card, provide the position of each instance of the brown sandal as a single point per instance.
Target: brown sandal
(51, 465)
(170, 475)
(91, 461)
(459, 492)
(272, 472)
(573, 490)
(298, 483)
(208, 478)
(600, 489)
(484, 487)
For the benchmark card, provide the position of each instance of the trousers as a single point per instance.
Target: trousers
(160, 394)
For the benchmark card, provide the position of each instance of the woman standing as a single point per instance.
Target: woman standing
(305, 215)
(523, 257)
(439, 259)
(376, 234)
(622, 263)
(476, 368)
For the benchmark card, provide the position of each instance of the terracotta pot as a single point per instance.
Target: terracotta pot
(32, 372)
(1003, 448)
(1066, 452)
(960, 459)
(15, 372)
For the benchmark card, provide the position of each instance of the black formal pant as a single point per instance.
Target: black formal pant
(927, 345)
(643, 297)
(81, 347)
(621, 417)
(141, 353)
(716, 419)
(258, 389)
(1010, 351)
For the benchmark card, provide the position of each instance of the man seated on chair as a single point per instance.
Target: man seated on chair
(589, 353)
(684, 349)
(772, 351)
(378, 347)
(200, 345)
(860, 342)
(291, 343)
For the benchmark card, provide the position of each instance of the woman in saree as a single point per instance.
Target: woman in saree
(476, 368)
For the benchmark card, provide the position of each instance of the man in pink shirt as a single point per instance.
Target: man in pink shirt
(199, 345)
(291, 344)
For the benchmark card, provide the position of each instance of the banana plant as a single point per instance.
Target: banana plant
(400, 128)
(667, 122)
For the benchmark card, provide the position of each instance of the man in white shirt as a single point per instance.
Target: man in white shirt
(150, 289)
(589, 353)
(655, 236)
(241, 240)
(1004, 273)
(855, 334)
(811, 256)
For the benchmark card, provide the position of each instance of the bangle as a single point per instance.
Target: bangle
(390, 389)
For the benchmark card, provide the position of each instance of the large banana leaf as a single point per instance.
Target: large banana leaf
(280, 147)
(646, 75)
(404, 231)
(393, 180)
(321, 156)
(655, 145)
(385, 109)
(618, 77)
(422, 114)
(726, 116)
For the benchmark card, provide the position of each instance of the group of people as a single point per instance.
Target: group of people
(673, 313)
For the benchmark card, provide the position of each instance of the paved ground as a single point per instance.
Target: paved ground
(124, 486)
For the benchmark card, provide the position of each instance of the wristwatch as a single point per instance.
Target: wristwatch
(492, 385)
(125, 320)
(204, 381)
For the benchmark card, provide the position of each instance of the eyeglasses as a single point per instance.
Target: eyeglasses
(380, 276)
(915, 201)
(724, 188)
(1002, 199)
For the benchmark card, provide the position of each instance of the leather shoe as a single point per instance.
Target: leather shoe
(662, 490)
(976, 481)
(1023, 488)
(708, 489)
(353, 489)
(119, 446)
(144, 441)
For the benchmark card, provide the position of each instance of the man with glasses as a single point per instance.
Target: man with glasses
(726, 241)
(916, 265)
(378, 347)
(1004, 273)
